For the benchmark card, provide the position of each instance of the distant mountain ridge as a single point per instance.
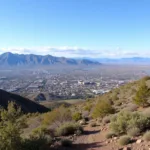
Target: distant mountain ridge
(27, 106)
(131, 60)
(12, 59)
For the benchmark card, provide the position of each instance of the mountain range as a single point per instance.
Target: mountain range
(131, 60)
(11, 59)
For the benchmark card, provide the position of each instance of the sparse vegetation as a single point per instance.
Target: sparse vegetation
(57, 117)
(68, 129)
(77, 116)
(127, 120)
(102, 109)
(124, 140)
(133, 132)
(110, 135)
(147, 136)
(142, 95)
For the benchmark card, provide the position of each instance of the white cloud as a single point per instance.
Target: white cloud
(75, 52)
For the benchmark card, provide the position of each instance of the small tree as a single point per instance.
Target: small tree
(11, 124)
(142, 95)
(102, 109)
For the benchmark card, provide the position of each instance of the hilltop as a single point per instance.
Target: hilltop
(26, 105)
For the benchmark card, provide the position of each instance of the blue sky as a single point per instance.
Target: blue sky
(76, 28)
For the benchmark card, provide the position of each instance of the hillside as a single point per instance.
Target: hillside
(10, 59)
(116, 120)
(26, 105)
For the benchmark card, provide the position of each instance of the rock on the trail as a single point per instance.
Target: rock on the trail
(139, 141)
(82, 122)
(115, 138)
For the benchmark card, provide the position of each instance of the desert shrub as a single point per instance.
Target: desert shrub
(102, 109)
(128, 120)
(40, 131)
(66, 143)
(88, 107)
(124, 140)
(106, 119)
(57, 117)
(133, 132)
(77, 116)
(118, 103)
(68, 129)
(113, 118)
(110, 135)
(115, 97)
(146, 112)
(93, 124)
(39, 139)
(131, 107)
(35, 143)
(147, 136)
(11, 125)
(142, 95)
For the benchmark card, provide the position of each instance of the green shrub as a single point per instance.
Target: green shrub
(147, 136)
(11, 126)
(38, 140)
(36, 143)
(124, 140)
(128, 120)
(77, 116)
(110, 135)
(88, 107)
(57, 116)
(133, 132)
(102, 109)
(66, 143)
(68, 129)
(142, 95)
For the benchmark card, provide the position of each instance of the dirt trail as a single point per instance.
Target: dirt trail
(93, 139)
